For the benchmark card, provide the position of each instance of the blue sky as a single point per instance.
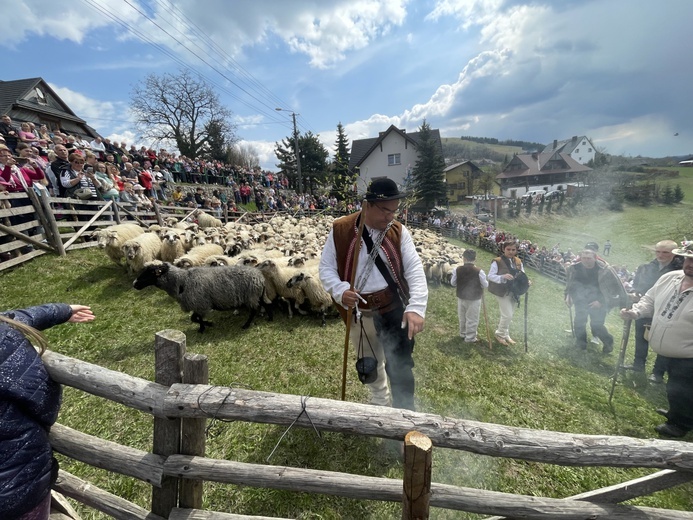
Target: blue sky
(615, 70)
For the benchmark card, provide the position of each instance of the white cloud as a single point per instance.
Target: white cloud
(90, 109)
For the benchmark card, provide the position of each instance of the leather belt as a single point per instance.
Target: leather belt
(381, 301)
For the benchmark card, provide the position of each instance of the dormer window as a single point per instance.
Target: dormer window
(40, 96)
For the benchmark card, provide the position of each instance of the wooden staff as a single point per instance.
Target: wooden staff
(488, 331)
(350, 310)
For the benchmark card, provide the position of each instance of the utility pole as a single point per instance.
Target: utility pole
(296, 150)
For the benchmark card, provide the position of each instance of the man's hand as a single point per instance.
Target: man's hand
(628, 314)
(349, 298)
(568, 300)
(413, 322)
(595, 305)
(508, 276)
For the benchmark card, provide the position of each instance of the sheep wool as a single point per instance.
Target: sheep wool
(140, 250)
(202, 289)
(112, 238)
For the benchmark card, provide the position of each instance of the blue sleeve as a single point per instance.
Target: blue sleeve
(42, 317)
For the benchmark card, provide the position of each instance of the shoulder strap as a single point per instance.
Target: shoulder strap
(378, 260)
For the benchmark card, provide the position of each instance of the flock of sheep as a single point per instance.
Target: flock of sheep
(206, 265)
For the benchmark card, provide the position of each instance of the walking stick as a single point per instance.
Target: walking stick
(526, 295)
(488, 331)
(621, 356)
(350, 310)
(572, 326)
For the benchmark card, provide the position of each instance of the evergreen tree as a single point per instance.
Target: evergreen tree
(668, 195)
(342, 178)
(678, 194)
(428, 178)
(313, 160)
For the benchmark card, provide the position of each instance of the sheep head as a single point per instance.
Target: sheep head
(152, 272)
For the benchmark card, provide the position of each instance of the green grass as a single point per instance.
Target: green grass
(553, 387)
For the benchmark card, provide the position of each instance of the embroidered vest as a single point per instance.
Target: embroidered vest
(501, 289)
(345, 230)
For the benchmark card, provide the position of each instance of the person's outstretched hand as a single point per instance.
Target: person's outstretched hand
(81, 314)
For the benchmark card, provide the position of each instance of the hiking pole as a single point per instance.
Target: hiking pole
(526, 298)
(350, 310)
(621, 356)
(572, 327)
(488, 331)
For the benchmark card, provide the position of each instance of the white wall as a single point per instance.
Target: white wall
(376, 164)
(584, 151)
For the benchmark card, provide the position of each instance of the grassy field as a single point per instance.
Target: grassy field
(553, 387)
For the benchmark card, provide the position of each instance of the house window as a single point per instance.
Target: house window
(394, 159)
(589, 149)
(577, 150)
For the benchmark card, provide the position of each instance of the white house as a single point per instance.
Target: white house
(392, 154)
(579, 148)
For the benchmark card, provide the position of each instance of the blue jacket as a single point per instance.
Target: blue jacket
(29, 405)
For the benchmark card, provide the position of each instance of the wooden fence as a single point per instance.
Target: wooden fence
(59, 225)
(181, 402)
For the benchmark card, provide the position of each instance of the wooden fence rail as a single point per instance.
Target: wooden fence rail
(184, 402)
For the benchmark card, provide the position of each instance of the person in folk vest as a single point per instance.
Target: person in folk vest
(470, 281)
(500, 277)
(390, 292)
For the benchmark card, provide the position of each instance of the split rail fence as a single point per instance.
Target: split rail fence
(181, 401)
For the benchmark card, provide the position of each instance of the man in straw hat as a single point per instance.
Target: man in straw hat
(387, 289)
(670, 305)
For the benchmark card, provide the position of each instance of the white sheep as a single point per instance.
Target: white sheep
(140, 250)
(276, 278)
(112, 238)
(172, 245)
(197, 255)
(319, 299)
(205, 220)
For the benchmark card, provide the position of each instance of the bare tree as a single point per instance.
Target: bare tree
(182, 108)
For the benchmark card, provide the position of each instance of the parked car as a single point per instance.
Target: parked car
(553, 194)
(533, 194)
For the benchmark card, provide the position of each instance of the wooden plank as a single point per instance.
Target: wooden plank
(131, 391)
(566, 449)
(101, 500)
(107, 455)
(377, 488)
(193, 437)
(195, 514)
(418, 450)
(169, 349)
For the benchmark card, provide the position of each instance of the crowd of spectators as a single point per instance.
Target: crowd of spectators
(142, 176)
(552, 260)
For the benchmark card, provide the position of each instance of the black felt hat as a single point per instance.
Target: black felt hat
(383, 189)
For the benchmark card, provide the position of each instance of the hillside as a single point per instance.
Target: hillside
(456, 149)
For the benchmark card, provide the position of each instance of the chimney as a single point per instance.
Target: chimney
(555, 144)
(574, 139)
(535, 155)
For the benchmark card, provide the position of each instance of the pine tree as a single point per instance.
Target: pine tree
(668, 195)
(428, 177)
(678, 194)
(342, 178)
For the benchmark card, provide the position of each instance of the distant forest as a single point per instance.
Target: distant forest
(525, 145)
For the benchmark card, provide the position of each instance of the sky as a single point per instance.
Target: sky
(617, 71)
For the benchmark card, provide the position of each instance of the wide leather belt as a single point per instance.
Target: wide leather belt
(381, 301)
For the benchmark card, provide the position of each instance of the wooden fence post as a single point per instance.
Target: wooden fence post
(169, 349)
(195, 371)
(417, 476)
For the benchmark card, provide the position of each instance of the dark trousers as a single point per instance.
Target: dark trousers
(399, 363)
(641, 348)
(596, 317)
(680, 391)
